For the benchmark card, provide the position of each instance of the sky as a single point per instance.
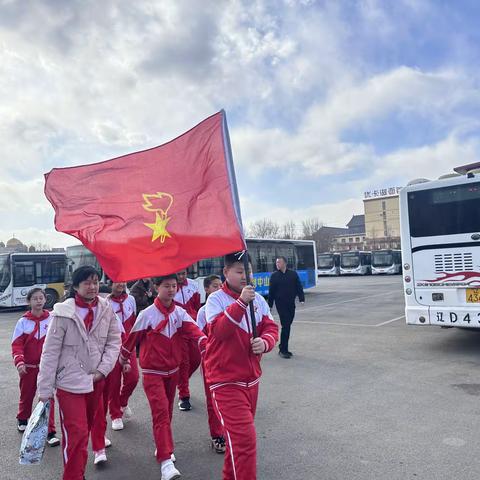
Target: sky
(325, 99)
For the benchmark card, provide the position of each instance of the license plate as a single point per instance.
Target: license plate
(473, 295)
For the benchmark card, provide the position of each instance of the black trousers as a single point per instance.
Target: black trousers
(286, 314)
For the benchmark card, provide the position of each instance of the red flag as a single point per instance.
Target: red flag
(157, 211)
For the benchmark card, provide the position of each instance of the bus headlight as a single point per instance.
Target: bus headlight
(408, 291)
(406, 266)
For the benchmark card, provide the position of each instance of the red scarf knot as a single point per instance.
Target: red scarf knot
(166, 313)
(80, 302)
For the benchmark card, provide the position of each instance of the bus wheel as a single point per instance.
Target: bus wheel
(52, 298)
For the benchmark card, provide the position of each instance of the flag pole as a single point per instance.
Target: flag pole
(236, 204)
(246, 264)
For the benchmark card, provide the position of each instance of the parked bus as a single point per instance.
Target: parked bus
(386, 262)
(79, 256)
(20, 272)
(328, 264)
(440, 231)
(301, 256)
(355, 263)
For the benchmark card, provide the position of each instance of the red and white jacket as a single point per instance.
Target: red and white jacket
(228, 357)
(125, 308)
(162, 332)
(202, 319)
(28, 338)
(188, 297)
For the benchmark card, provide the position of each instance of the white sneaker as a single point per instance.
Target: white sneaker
(108, 442)
(127, 412)
(169, 472)
(117, 424)
(100, 457)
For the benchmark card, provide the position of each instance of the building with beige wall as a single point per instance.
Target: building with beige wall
(382, 222)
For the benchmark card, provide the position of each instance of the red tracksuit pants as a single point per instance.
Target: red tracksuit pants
(191, 359)
(77, 414)
(235, 407)
(28, 389)
(119, 392)
(214, 424)
(160, 393)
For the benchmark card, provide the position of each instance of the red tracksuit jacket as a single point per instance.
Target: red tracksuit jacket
(27, 343)
(126, 309)
(228, 356)
(161, 351)
(188, 297)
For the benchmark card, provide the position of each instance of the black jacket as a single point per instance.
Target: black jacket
(284, 287)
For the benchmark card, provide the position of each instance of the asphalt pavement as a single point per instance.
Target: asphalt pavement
(364, 397)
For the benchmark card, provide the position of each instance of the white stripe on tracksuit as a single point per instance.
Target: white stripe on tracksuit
(228, 435)
(65, 435)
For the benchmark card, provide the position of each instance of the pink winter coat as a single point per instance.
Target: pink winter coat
(71, 355)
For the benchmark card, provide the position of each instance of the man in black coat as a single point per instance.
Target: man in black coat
(285, 286)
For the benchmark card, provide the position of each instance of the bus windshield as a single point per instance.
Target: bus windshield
(78, 257)
(350, 260)
(382, 259)
(4, 272)
(325, 261)
(444, 211)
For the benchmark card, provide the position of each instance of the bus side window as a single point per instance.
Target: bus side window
(23, 274)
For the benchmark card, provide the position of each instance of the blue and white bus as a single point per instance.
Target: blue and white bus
(301, 256)
(356, 263)
(328, 264)
(387, 262)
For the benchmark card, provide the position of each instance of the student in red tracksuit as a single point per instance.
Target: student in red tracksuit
(119, 392)
(211, 284)
(82, 347)
(188, 298)
(232, 364)
(161, 330)
(111, 384)
(27, 344)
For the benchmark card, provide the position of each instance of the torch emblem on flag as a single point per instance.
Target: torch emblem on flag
(160, 204)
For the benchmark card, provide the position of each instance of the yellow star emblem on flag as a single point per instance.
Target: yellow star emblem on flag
(159, 203)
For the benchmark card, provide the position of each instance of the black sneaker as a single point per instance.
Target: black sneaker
(22, 425)
(283, 354)
(218, 444)
(184, 404)
(290, 354)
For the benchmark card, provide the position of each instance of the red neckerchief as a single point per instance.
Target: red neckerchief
(45, 314)
(120, 299)
(166, 312)
(80, 302)
(226, 288)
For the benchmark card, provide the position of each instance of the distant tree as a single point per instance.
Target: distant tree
(31, 249)
(288, 229)
(41, 247)
(309, 227)
(2, 245)
(264, 228)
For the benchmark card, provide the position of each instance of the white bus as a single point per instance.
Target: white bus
(387, 262)
(355, 263)
(20, 272)
(440, 230)
(328, 264)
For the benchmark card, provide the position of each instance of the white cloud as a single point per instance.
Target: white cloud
(82, 82)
